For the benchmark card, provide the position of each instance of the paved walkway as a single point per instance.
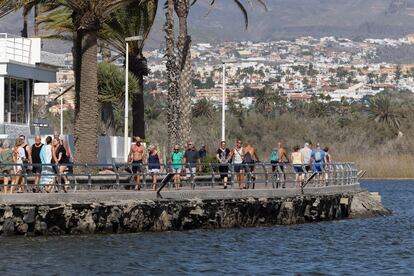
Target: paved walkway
(108, 196)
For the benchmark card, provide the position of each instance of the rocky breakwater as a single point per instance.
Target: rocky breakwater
(135, 215)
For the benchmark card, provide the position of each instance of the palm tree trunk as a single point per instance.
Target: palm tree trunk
(138, 112)
(185, 73)
(108, 118)
(24, 31)
(36, 23)
(87, 119)
(173, 115)
(138, 67)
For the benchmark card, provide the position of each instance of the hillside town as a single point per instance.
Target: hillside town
(337, 68)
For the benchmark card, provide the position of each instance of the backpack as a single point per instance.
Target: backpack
(318, 156)
(248, 158)
(275, 155)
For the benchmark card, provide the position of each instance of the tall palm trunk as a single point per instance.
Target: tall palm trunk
(138, 67)
(182, 8)
(36, 22)
(173, 115)
(24, 31)
(87, 119)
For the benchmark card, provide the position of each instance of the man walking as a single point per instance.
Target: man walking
(203, 151)
(306, 153)
(250, 158)
(318, 160)
(276, 159)
(37, 161)
(222, 156)
(237, 157)
(191, 159)
(137, 157)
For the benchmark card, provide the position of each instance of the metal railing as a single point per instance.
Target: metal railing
(121, 176)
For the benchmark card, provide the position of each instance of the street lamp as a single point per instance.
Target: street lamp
(223, 105)
(128, 39)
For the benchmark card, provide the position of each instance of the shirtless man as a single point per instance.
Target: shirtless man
(137, 156)
(236, 155)
(278, 164)
(250, 157)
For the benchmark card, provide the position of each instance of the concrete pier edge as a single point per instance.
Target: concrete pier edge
(129, 211)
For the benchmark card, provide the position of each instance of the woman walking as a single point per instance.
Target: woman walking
(154, 165)
(47, 179)
(6, 157)
(61, 158)
(298, 163)
(19, 157)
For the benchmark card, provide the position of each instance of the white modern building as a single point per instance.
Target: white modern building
(21, 70)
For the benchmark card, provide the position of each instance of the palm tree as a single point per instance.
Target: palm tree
(173, 115)
(87, 18)
(129, 21)
(9, 6)
(263, 103)
(383, 110)
(111, 87)
(179, 68)
(135, 19)
(203, 108)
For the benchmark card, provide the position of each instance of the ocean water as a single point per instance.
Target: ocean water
(382, 245)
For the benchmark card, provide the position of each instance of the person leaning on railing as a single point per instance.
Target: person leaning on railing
(6, 157)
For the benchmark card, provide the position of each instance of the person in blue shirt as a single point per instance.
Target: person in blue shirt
(318, 159)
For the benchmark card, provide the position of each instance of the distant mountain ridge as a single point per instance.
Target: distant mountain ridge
(284, 19)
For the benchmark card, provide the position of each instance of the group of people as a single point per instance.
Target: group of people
(47, 162)
(242, 157)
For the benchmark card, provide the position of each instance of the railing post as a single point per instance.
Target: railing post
(213, 175)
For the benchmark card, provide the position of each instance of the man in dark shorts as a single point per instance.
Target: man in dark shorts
(237, 157)
(137, 156)
(191, 159)
(222, 156)
(250, 158)
(36, 160)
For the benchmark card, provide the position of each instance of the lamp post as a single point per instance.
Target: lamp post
(126, 122)
(223, 104)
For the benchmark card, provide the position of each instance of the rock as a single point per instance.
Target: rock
(30, 216)
(365, 204)
(8, 227)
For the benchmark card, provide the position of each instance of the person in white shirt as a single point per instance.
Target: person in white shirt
(307, 152)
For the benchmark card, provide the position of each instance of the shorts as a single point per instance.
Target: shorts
(277, 165)
(298, 168)
(37, 169)
(154, 171)
(191, 170)
(136, 166)
(176, 170)
(318, 168)
(249, 166)
(224, 170)
(238, 168)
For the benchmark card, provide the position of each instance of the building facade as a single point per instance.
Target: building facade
(21, 68)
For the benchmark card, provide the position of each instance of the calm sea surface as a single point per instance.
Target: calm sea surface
(383, 245)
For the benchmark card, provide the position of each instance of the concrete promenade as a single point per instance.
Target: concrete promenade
(205, 193)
